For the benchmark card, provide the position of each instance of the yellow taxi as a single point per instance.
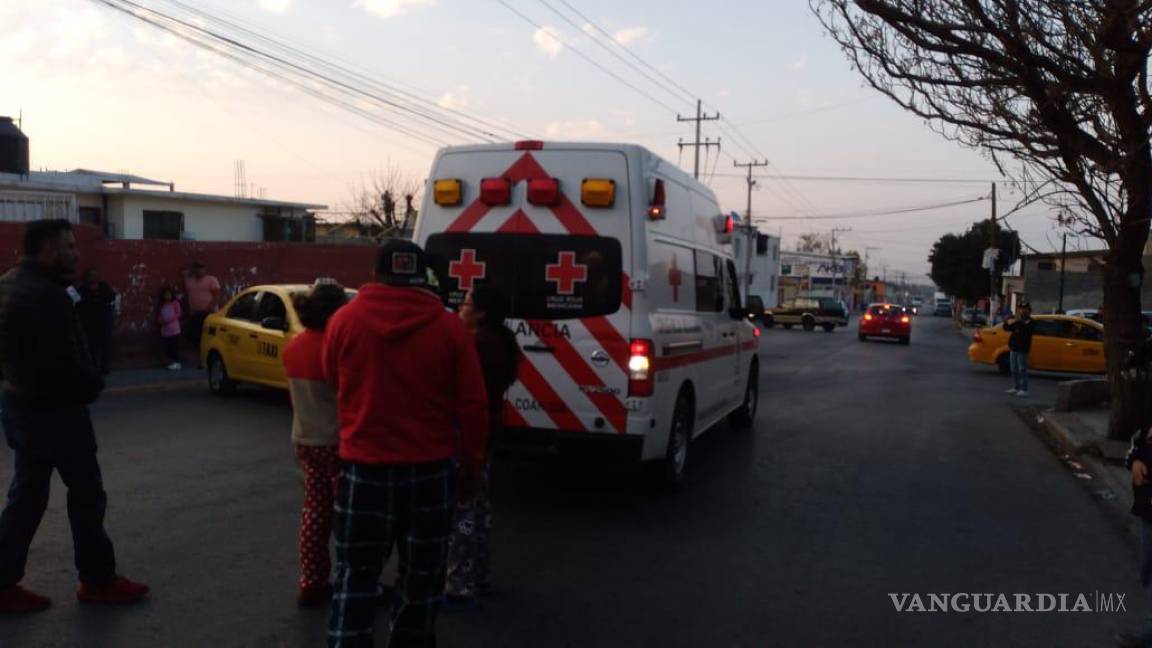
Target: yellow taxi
(1060, 343)
(244, 340)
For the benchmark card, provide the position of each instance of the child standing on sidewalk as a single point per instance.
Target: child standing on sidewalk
(168, 315)
(316, 436)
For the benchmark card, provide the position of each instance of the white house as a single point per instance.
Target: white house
(764, 265)
(132, 207)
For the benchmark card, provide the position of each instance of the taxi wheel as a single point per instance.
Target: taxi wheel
(744, 417)
(675, 463)
(218, 381)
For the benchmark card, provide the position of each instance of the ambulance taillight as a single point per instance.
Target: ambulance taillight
(656, 207)
(641, 375)
(495, 191)
(544, 192)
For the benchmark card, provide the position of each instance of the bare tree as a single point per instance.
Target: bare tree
(1059, 86)
(374, 203)
(818, 242)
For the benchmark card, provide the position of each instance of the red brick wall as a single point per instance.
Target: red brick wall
(138, 269)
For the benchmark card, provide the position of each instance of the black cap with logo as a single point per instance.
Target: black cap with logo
(401, 263)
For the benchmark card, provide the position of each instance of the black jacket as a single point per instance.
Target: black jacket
(499, 360)
(1141, 447)
(44, 356)
(1021, 339)
(96, 308)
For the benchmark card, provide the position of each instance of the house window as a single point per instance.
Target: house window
(163, 225)
(91, 215)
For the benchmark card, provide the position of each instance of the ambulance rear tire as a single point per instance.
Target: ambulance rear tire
(674, 465)
(218, 381)
(745, 417)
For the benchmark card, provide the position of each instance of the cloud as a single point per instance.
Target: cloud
(392, 8)
(576, 129)
(274, 6)
(631, 35)
(548, 41)
(456, 99)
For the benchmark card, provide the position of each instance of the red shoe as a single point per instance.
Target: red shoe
(120, 590)
(17, 600)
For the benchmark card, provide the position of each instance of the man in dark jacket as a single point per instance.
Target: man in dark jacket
(411, 398)
(97, 311)
(1021, 326)
(49, 381)
(1138, 461)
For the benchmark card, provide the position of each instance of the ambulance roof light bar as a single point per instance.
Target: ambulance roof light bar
(529, 145)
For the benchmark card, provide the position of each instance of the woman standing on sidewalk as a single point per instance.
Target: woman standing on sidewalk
(483, 311)
(316, 437)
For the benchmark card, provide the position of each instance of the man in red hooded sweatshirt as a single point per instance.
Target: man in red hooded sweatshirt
(411, 399)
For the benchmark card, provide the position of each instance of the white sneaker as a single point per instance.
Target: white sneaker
(175, 366)
(1022, 394)
(1012, 391)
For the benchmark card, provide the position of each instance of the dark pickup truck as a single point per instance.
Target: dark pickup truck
(808, 312)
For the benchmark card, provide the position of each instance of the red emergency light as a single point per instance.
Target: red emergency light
(656, 208)
(495, 191)
(544, 191)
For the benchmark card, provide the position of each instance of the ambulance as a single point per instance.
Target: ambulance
(623, 290)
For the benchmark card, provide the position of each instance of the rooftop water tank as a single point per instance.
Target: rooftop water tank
(13, 148)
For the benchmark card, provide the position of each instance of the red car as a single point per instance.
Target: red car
(887, 320)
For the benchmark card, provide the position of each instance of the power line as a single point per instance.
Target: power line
(890, 212)
(205, 37)
(819, 178)
(584, 56)
(236, 24)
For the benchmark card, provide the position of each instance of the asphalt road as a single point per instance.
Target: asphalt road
(873, 469)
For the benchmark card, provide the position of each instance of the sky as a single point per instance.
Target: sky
(99, 90)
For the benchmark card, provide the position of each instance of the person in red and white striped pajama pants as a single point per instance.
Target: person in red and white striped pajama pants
(316, 436)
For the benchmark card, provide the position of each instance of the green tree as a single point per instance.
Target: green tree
(957, 260)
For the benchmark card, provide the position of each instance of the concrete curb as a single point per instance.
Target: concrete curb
(1081, 459)
(170, 385)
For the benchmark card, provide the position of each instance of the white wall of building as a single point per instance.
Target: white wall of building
(203, 221)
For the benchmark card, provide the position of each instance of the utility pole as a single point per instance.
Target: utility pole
(708, 143)
(748, 229)
(1063, 262)
(992, 270)
(868, 274)
(835, 269)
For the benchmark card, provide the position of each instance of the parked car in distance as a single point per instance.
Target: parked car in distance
(1060, 343)
(886, 320)
(1087, 313)
(943, 308)
(808, 312)
(974, 317)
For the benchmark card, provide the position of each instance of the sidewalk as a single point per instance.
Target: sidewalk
(1080, 438)
(128, 381)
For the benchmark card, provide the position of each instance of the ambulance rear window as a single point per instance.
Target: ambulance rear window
(545, 276)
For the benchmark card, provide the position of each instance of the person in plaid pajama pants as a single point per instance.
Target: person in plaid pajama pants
(315, 435)
(411, 399)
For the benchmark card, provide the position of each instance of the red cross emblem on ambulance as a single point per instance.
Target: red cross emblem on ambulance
(467, 269)
(566, 273)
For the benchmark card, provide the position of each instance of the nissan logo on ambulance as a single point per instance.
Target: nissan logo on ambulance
(624, 298)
